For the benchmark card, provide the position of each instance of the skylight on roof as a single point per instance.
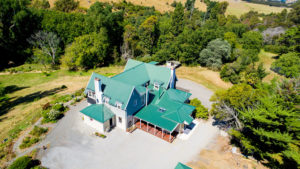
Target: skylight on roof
(161, 109)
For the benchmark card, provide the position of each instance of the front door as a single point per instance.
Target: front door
(110, 122)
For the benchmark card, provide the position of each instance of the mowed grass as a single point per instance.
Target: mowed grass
(36, 89)
(236, 7)
(208, 78)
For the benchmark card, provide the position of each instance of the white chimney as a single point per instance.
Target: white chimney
(173, 78)
(98, 91)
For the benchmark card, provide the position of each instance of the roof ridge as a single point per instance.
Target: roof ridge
(141, 63)
(115, 80)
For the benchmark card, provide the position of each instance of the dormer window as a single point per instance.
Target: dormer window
(156, 86)
(118, 105)
(91, 94)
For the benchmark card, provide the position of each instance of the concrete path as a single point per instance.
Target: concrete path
(197, 90)
(73, 145)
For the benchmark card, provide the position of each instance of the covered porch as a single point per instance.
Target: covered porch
(157, 131)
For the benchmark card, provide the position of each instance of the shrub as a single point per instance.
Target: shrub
(28, 141)
(100, 135)
(216, 53)
(200, 111)
(79, 92)
(276, 49)
(59, 107)
(46, 106)
(23, 162)
(63, 87)
(287, 65)
(54, 115)
(38, 131)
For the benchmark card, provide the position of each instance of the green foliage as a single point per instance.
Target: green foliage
(216, 53)
(294, 14)
(87, 51)
(177, 19)
(251, 19)
(275, 137)
(17, 24)
(23, 162)
(40, 57)
(29, 141)
(291, 39)
(266, 122)
(148, 33)
(66, 5)
(38, 131)
(40, 4)
(231, 38)
(252, 40)
(287, 65)
(200, 111)
(238, 97)
(59, 107)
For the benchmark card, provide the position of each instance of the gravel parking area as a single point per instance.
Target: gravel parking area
(73, 145)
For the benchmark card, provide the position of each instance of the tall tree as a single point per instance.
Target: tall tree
(17, 23)
(148, 33)
(87, 51)
(177, 19)
(47, 42)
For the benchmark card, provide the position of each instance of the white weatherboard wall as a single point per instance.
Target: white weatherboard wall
(94, 123)
(119, 113)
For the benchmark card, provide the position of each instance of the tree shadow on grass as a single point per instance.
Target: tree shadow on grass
(11, 102)
(13, 88)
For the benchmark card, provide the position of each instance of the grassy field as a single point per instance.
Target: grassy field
(268, 58)
(236, 7)
(32, 90)
(208, 78)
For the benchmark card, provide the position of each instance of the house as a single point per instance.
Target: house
(144, 95)
(182, 166)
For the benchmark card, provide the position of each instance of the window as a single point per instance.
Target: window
(120, 120)
(129, 123)
(119, 105)
(135, 102)
(97, 101)
(106, 100)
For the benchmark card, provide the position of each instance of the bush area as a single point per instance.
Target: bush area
(26, 162)
(263, 120)
(29, 141)
(34, 137)
(200, 111)
(38, 131)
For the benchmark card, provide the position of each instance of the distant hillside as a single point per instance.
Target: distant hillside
(236, 7)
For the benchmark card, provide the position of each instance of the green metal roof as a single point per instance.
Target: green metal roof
(132, 63)
(98, 112)
(178, 95)
(153, 62)
(182, 166)
(174, 111)
(140, 73)
(152, 115)
(115, 90)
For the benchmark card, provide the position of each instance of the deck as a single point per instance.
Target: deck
(156, 131)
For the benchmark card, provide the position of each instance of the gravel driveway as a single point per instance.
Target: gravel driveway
(73, 146)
